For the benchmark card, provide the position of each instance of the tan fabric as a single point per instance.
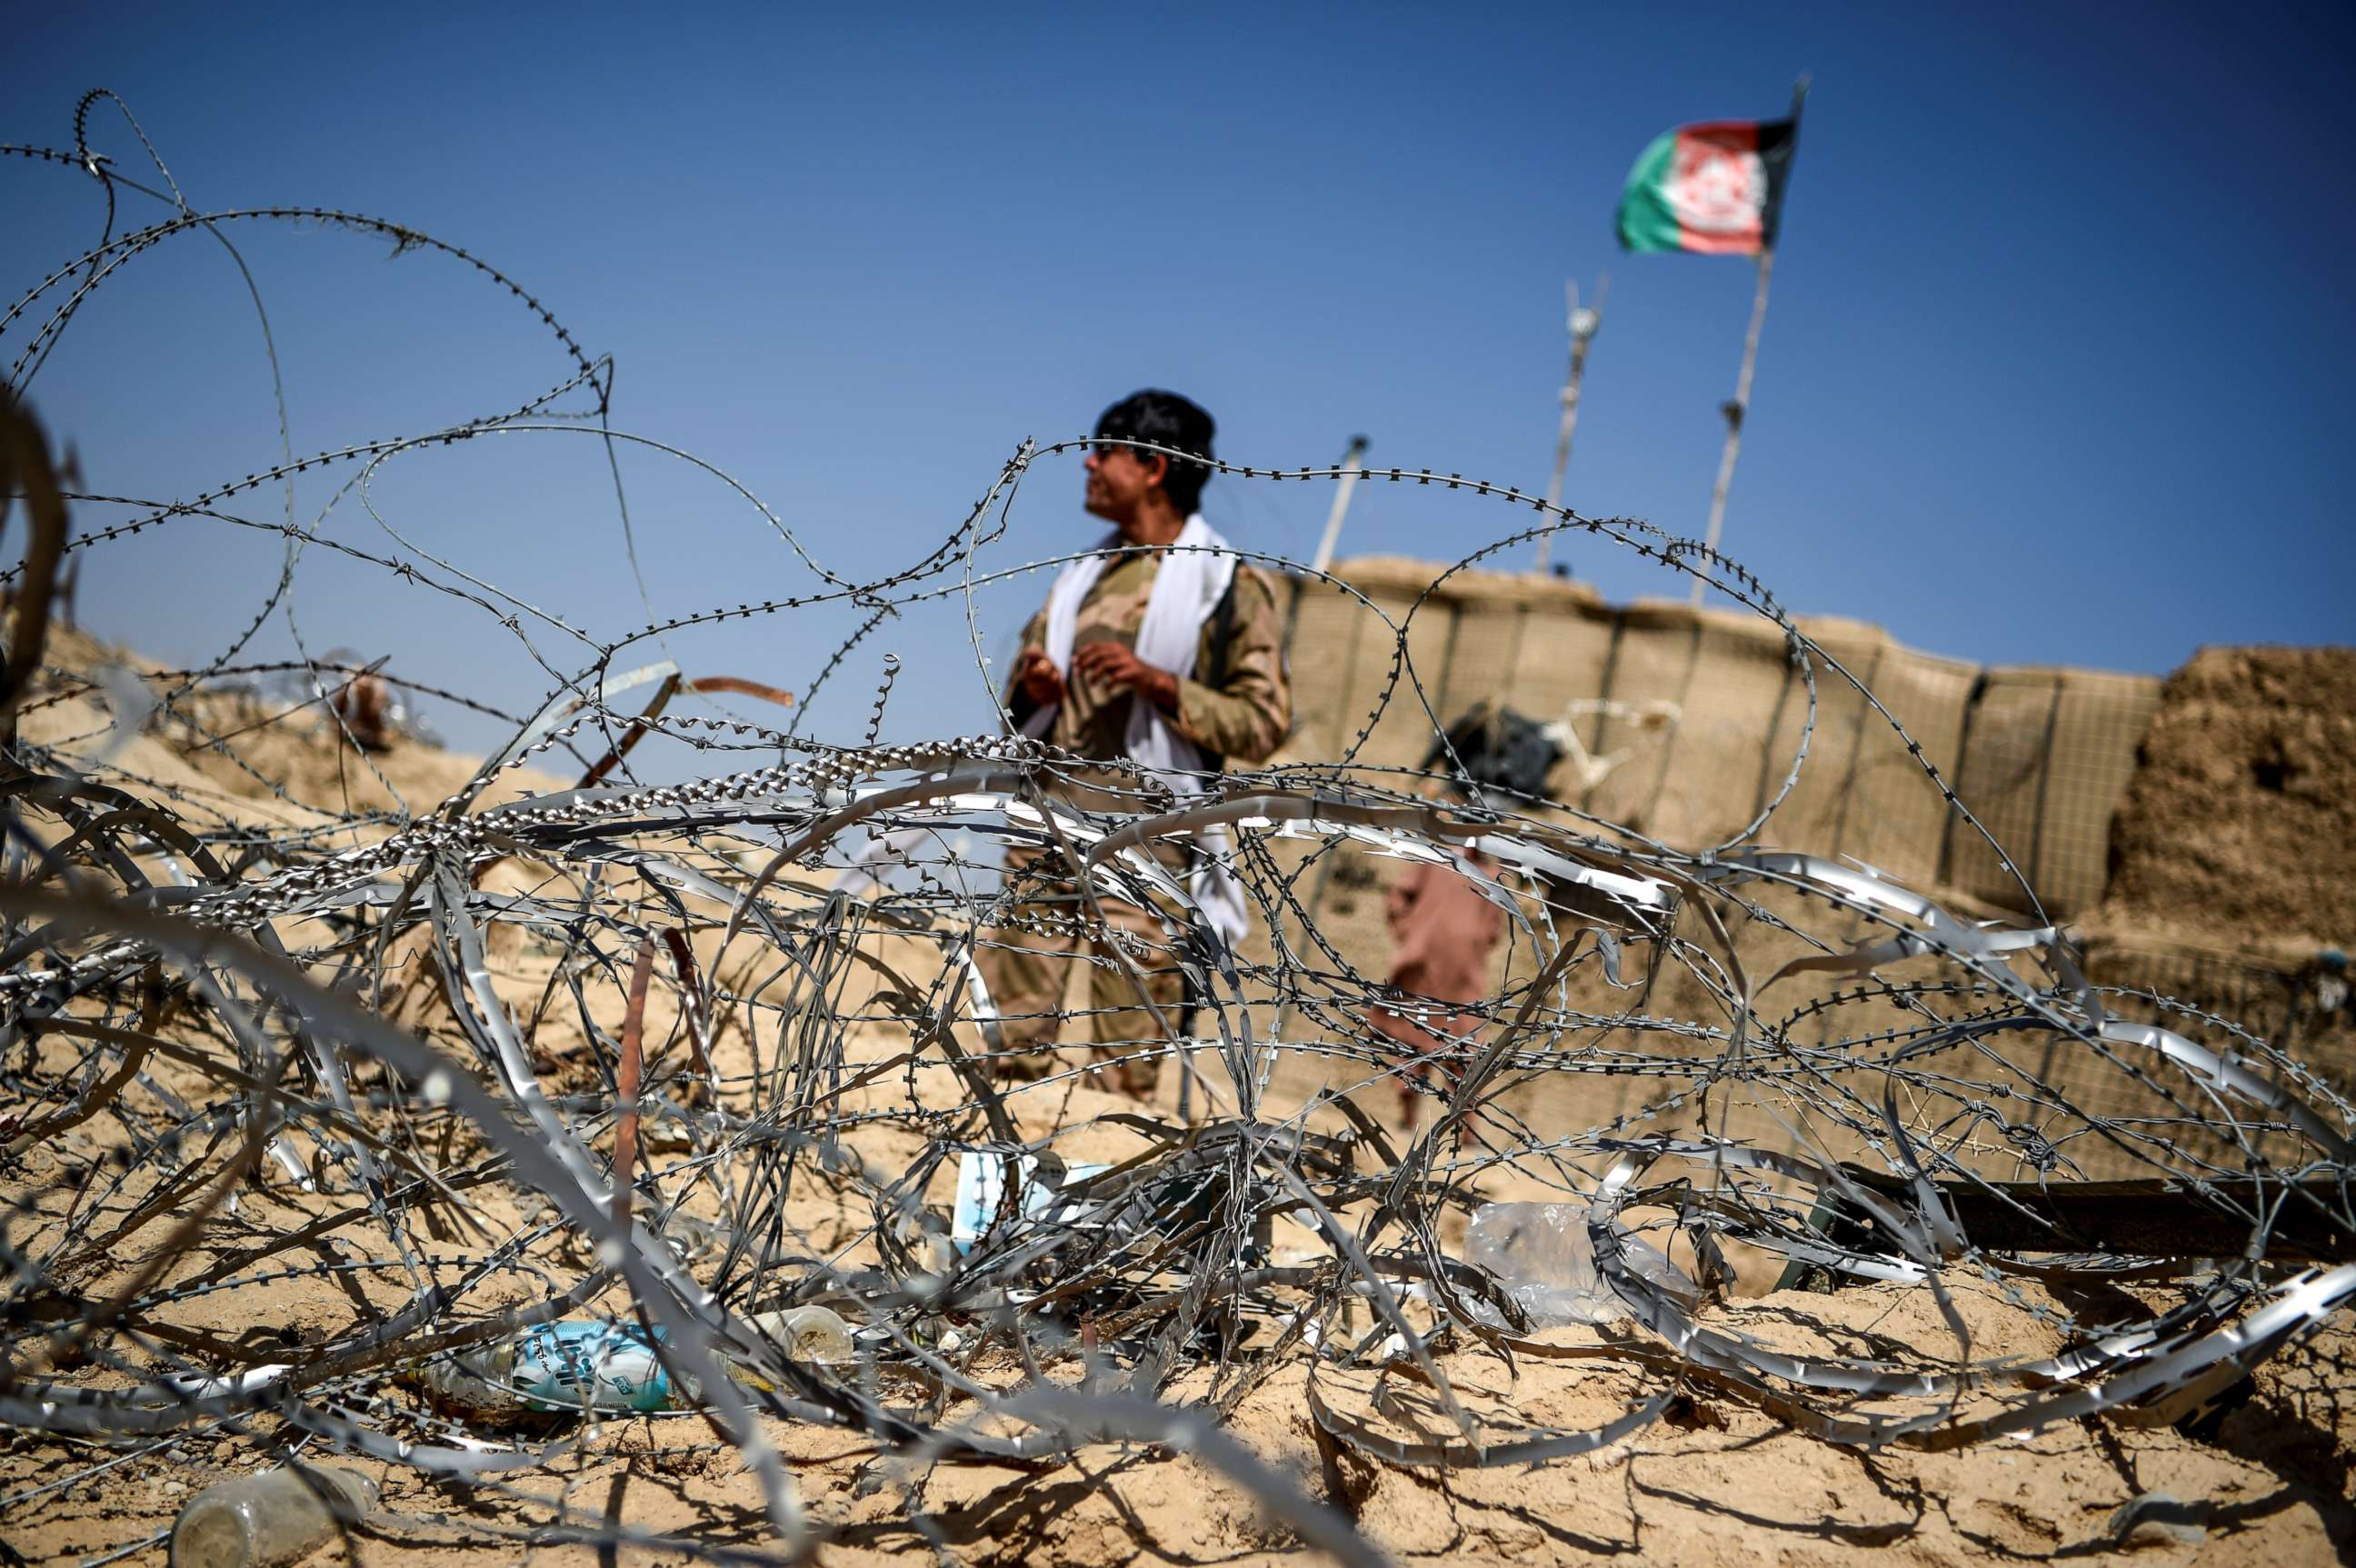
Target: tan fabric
(1027, 971)
(1445, 930)
(1243, 719)
(1444, 933)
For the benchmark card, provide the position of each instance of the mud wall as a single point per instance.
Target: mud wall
(2244, 814)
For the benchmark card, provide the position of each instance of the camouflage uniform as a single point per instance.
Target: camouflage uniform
(1244, 717)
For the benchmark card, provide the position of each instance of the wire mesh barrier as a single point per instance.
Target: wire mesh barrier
(660, 1071)
(2042, 756)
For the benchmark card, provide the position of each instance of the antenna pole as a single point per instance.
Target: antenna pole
(1353, 463)
(1583, 325)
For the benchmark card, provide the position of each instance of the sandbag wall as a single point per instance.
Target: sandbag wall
(1689, 721)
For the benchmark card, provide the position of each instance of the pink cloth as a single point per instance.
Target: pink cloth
(1445, 931)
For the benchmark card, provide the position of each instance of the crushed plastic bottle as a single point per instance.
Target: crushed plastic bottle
(576, 1365)
(591, 1366)
(1540, 1253)
(477, 1384)
(270, 1520)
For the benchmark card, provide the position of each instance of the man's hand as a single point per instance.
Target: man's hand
(1116, 667)
(1040, 680)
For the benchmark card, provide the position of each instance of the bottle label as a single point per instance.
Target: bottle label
(596, 1366)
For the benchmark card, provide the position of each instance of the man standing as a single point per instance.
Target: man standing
(1160, 649)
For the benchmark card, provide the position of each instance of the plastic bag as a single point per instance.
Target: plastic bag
(1540, 1253)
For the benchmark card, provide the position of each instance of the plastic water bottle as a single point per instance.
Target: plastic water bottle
(477, 1384)
(600, 1368)
(270, 1520)
(808, 1334)
(596, 1366)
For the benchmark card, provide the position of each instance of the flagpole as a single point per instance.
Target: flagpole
(1583, 325)
(1734, 412)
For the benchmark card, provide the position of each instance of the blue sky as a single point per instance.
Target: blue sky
(2057, 369)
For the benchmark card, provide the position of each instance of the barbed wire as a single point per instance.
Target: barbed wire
(664, 1065)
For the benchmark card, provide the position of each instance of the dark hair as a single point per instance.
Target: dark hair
(1165, 419)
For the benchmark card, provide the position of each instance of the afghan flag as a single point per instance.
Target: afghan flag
(1717, 188)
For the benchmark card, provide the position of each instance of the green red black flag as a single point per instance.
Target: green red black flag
(1716, 188)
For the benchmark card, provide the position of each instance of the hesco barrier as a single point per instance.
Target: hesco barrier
(1689, 721)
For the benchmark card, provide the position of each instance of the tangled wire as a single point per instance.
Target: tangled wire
(656, 1067)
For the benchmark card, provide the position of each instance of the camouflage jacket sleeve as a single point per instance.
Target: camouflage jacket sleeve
(1244, 719)
(1017, 700)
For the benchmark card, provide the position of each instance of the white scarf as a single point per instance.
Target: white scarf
(1197, 572)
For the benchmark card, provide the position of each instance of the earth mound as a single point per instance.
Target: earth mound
(2241, 815)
